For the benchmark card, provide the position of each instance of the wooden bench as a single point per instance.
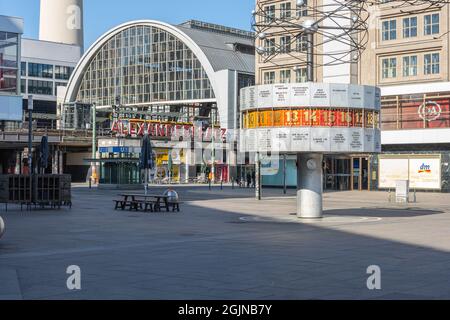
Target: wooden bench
(122, 204)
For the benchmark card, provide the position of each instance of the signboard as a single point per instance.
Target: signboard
(422, 173)
(300, 94)
(339, 140)
(264, 96)
(356, 140)
(339, 95)
(281, 140)
(300, 139)
(320, 139)
(281, 95)
(356, 94)
(320, 94)
(425, 173)
(392, 170)
(244, 99)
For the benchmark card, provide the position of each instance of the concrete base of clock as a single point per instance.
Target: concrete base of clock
(309, 185)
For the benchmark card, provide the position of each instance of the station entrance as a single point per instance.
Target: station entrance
(343, 173)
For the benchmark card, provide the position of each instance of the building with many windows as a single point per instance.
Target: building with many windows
(150, 76)
(11, 30)
(408, 58)
(37, 68)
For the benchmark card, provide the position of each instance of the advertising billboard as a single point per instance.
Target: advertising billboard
(422, 172)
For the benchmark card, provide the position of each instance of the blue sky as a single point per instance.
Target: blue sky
(101, 15)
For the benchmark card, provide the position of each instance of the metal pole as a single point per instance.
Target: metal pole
(213, 144)
(284, 175)
(310, 57)
(258, 177)
(94, 141)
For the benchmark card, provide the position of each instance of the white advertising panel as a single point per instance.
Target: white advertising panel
(320, 139)
(356, 96)
(339, 95)
(320, 94)
(300, 95)
(300, 139)
(392, 170)
(339, 140)
(264, 96)
(281, 95)
(356, 140)
(425, 173)
(281, 141)
(270, 165)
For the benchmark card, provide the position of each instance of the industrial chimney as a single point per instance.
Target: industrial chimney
(62, 21)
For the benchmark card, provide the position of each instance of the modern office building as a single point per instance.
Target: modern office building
(408, 58)
(152, 76)
(11, 30)
(42, 66)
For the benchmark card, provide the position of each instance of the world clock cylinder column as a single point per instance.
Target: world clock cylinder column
(309, 185)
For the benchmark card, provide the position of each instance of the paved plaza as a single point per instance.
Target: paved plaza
(226, 245)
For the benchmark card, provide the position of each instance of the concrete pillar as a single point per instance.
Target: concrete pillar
(309, 185)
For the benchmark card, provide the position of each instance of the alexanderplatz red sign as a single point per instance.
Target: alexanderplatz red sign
(137, 128)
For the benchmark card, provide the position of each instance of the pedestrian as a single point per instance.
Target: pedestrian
(253, 179)
(249, 179)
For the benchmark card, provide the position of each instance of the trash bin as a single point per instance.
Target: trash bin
(402, 191)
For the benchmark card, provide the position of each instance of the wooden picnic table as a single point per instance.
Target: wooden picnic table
(133, 198)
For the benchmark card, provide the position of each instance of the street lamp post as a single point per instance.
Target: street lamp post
(94, 142)
(213, 146)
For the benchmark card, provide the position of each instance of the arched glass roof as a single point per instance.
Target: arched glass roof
(143, 64)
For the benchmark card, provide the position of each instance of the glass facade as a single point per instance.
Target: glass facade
(39, 70)
(144, 64)
(8, 62)
(63, 72)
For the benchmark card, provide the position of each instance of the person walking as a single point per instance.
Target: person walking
(253, 179)
(249, 179)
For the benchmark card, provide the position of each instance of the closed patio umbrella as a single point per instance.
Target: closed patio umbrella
(43, 154)
(146, 159)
